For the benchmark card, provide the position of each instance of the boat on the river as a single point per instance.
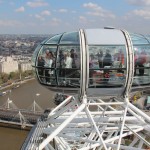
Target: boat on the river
(3, 93)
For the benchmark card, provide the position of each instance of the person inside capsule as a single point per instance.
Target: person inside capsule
(41, 64)
(100, 58)
(107, 63)
(120, 59)
(68, 68)
(61, 59)
(49, 62)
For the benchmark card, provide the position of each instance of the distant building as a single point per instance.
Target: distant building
(8, 65)
(12, 64)
(24, 66)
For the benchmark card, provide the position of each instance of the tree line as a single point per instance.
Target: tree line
(12, 76)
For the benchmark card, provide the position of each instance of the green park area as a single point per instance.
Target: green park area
(14, 76)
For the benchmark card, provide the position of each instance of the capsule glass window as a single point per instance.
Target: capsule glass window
(54, 40)
(46, 65)
(70, 38)
(107, 66)
(141, 65)
(68, 66)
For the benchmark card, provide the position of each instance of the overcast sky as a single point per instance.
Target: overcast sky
(55, 16)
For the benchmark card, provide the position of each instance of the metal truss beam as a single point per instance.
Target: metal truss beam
(85, 129)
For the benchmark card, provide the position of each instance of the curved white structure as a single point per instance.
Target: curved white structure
(101, 66)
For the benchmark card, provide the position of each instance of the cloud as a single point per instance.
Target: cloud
(138, 14)
(37, 3)
(55, 22)
(144, 13)
(92, 6)
(39, 17)
(46, 13)
(82, 19)
(63, 10)
(20, 9)
(74, 11)
(96, 10)
(139, 2)
(10, 23)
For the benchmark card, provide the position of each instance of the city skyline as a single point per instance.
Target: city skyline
(50, 17)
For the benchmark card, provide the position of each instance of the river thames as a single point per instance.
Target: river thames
(23, 97)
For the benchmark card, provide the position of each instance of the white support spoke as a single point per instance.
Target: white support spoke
(100, 107)
(121, 131)
(82, 139)
(92, 135)
(110, 107)
(61, 105)
(139, 112)
(134, 142)
(122, 147)
(46, 148)
(49, 147)
(137, 116)
(110, 135)
(96, 119)
(105, 104)
(65, 143)
(60, 143)
(111, 139)
(139, 136)
(87, 129)
(141, 143)
(97, 113)
(125, 134)
(61, 111)
(60, 128)
(91, 118)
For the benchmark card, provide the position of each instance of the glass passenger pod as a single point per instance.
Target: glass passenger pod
(141, 45)
(58, 62)
(107, 61)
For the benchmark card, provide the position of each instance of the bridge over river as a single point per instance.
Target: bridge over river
(13, 116)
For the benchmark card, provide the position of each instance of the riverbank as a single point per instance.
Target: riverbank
(23, 97)
(14, 126)
(14, 84)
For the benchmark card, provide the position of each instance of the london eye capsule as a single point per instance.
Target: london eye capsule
(93, 61)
